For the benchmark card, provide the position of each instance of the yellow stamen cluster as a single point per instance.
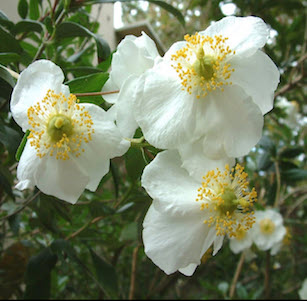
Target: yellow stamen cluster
(267, 226)
(227, 201)
(59, 126)
(202, 64)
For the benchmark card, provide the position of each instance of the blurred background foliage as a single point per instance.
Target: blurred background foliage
(93, 249)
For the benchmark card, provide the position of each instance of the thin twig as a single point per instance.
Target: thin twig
(95, 93)
(95, 220)
(133, 272)
(25, 204)
(277, 195)
(236, 275)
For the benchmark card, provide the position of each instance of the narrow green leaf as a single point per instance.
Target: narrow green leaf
(291, 152)
(22, 145)
(105, 273)
(294, 175)
(5, 75)
(34, 9)
(38, 275)
(6, 180)
(9, 57)
(129, 232)
(23, 8)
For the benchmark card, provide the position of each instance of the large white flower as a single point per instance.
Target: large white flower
(70, 143)
(190, 214)
(134, 55)
(268, 231)
(215, 86)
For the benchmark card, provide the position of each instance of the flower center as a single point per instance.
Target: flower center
(267, 226)
(59, 126)
(226, 201)
(202, 64)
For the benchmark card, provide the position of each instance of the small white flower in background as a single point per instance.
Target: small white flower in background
(70, 143)
(242, 241)
(268, 230)
(215, 86)
(189, 214)
(303, 290)
(134, 55)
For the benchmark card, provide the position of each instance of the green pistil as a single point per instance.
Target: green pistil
(203, 66)
(230, 201)
(59, 125)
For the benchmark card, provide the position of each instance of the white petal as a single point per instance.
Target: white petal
(32, 86)
(62, 179)
(231, 123)
(106, 143)
(245, 34)
(170, 186)
(258, 76)
(110, 86)
(218, 242)
(125, 110)
(210, 237)
(173, 242)
(188, 270)
(133, 56)
(27, 167)
(197, 163)
(164, 112)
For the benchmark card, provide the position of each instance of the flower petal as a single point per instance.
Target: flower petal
(62, 179)
(164, 112)
(197, 164)
(188, 270)
(232, 123)
(106, 143)
(32, 86)
(171, 187)
(258, 76)
(173, 242)
(245, 34)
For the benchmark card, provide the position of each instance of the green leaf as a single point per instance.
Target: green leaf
(5, 75)
(8, 43)
(129, 232)
(89, 83)
(71, 29)
(34, 9)
(5, 21)
(134, 163)
(9, 57)
(48, 24)
(264, 161)
(23, 8)
(100, 209)
(105, 273)
(6, 180)
(28, 26)
(294, 175)
(22, 145)
(38, 275)
(291, 152)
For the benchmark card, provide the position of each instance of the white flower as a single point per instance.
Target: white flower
(190, 214)
(268, 230)
(215, 86)
(303, 290)
(70, 144)
(242, 241)
(134, 55)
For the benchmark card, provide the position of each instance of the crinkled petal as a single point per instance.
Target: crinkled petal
(231, 123)
(196, 163)
(170, 186)
(32, 86)
(110, 86)
(258, 76)
(173, 242)
(164, 112)
(245, 34)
